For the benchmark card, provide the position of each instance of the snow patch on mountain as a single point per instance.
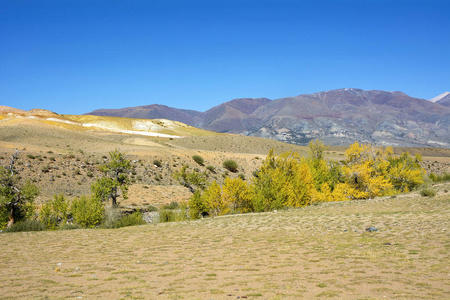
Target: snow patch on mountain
(437, 98)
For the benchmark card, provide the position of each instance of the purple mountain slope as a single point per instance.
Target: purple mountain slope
(338, 117)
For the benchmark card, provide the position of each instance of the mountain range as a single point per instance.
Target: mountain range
(338, 117)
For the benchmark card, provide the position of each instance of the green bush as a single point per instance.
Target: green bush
(4, 216)
(172, 205)
(170, 215)
(28, 225)
(111, 217)
(192, 180)
(428, 192)
(54, 212)
(157, 163)
(211, 169)
(198, 206)
(230, 165)
(152, 208)
(133, 219)
(440, 178)
(198, 159)
(87, 211)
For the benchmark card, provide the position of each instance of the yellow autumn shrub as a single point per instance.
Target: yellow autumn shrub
(365, 171)
(405, 172)
(237, 194)
(283, 181)
(213, 197)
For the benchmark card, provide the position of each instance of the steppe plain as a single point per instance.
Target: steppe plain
(320, 251)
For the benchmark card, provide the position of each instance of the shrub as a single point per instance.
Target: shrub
(28, 225)
(157, 163)
(440, 178)
(198, 159)
(211, 169)
(192, 180)
(172, 205)
(111, 217)
(197, 206)
(31, 156)
(152, 208)
(428, 192)
(4, 216)
(237, 194)
(282, 181)
(54, 212)
(170, 215)
(230, 165)
(213, 196)
(87, 211)
(133, 219)
(405, 172)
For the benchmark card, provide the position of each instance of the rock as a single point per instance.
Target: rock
(370, 229)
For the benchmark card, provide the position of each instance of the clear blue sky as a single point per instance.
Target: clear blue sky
(74, 56)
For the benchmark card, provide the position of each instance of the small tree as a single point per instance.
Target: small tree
(116, 177)
(198, 206)
(87, 211)
(237, 194)
(15, 197)
(194, 180)
(213, 196)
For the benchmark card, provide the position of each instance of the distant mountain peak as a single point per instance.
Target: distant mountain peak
(437, 98)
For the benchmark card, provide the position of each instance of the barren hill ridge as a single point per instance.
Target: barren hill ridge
(339, 117)
(144, 127)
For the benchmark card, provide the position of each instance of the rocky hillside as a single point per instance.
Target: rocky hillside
(342, 116)
(445, 101)
(234, 116)
(338, 117)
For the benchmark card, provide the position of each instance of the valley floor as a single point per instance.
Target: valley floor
(313, 252)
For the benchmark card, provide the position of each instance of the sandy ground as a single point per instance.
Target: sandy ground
(313, 252)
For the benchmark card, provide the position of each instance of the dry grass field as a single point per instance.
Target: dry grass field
(320, 251)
